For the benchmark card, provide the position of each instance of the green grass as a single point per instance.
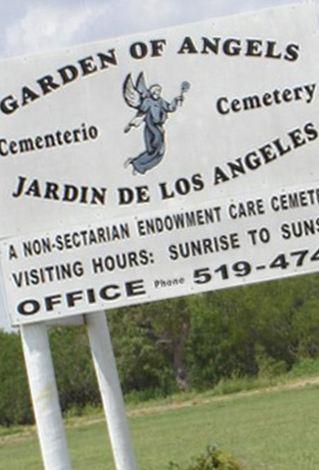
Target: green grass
(304, 368)
(274, 430)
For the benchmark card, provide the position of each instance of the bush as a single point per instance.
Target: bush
(74, 369)
(305, 368)
(214, 458)
(15, 404)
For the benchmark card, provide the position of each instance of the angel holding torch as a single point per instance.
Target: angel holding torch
(153, 110)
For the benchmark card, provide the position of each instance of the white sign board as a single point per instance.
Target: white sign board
(159, 255)
(192, 152)
(173, 117)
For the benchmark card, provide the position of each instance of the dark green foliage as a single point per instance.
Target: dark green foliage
(15, 405)
(264, 328)
(223, 337)
(149, 343)
(74, 369)
(213, 459)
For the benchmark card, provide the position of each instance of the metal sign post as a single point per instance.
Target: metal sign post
(45, 398)
(111, 393)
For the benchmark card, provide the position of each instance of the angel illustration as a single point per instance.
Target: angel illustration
(153, 110)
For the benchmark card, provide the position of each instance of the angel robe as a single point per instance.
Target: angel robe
(155, 112)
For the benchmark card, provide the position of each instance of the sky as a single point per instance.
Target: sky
(33, 26)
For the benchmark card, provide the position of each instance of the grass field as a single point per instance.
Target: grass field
(275, 429)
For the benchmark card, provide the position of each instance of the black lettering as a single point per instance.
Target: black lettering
(9, 104)
(210, 45)
(68, 74)
(28, 95)
(107, 59)
(51, 191)
(232, 47)
(47, 84)
(51, 301)
(34, 189)
(71, 193)
(271, 50)
(12, 252)
(28, 307)
(253, 48)
(158, 47)
(280, 147)
(138, 50)
(106, 292)
(220, 176)
(297, 138)
(188, 47)
(20, 188)
(311, 131)
(292, 52)
(252, 161)
(267, 152)
(87, 65)
(134, 288)
(198, 183)
(220, 105)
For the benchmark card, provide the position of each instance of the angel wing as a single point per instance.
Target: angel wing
(134, 94)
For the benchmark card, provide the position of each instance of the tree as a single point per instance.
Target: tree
(150, 344)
